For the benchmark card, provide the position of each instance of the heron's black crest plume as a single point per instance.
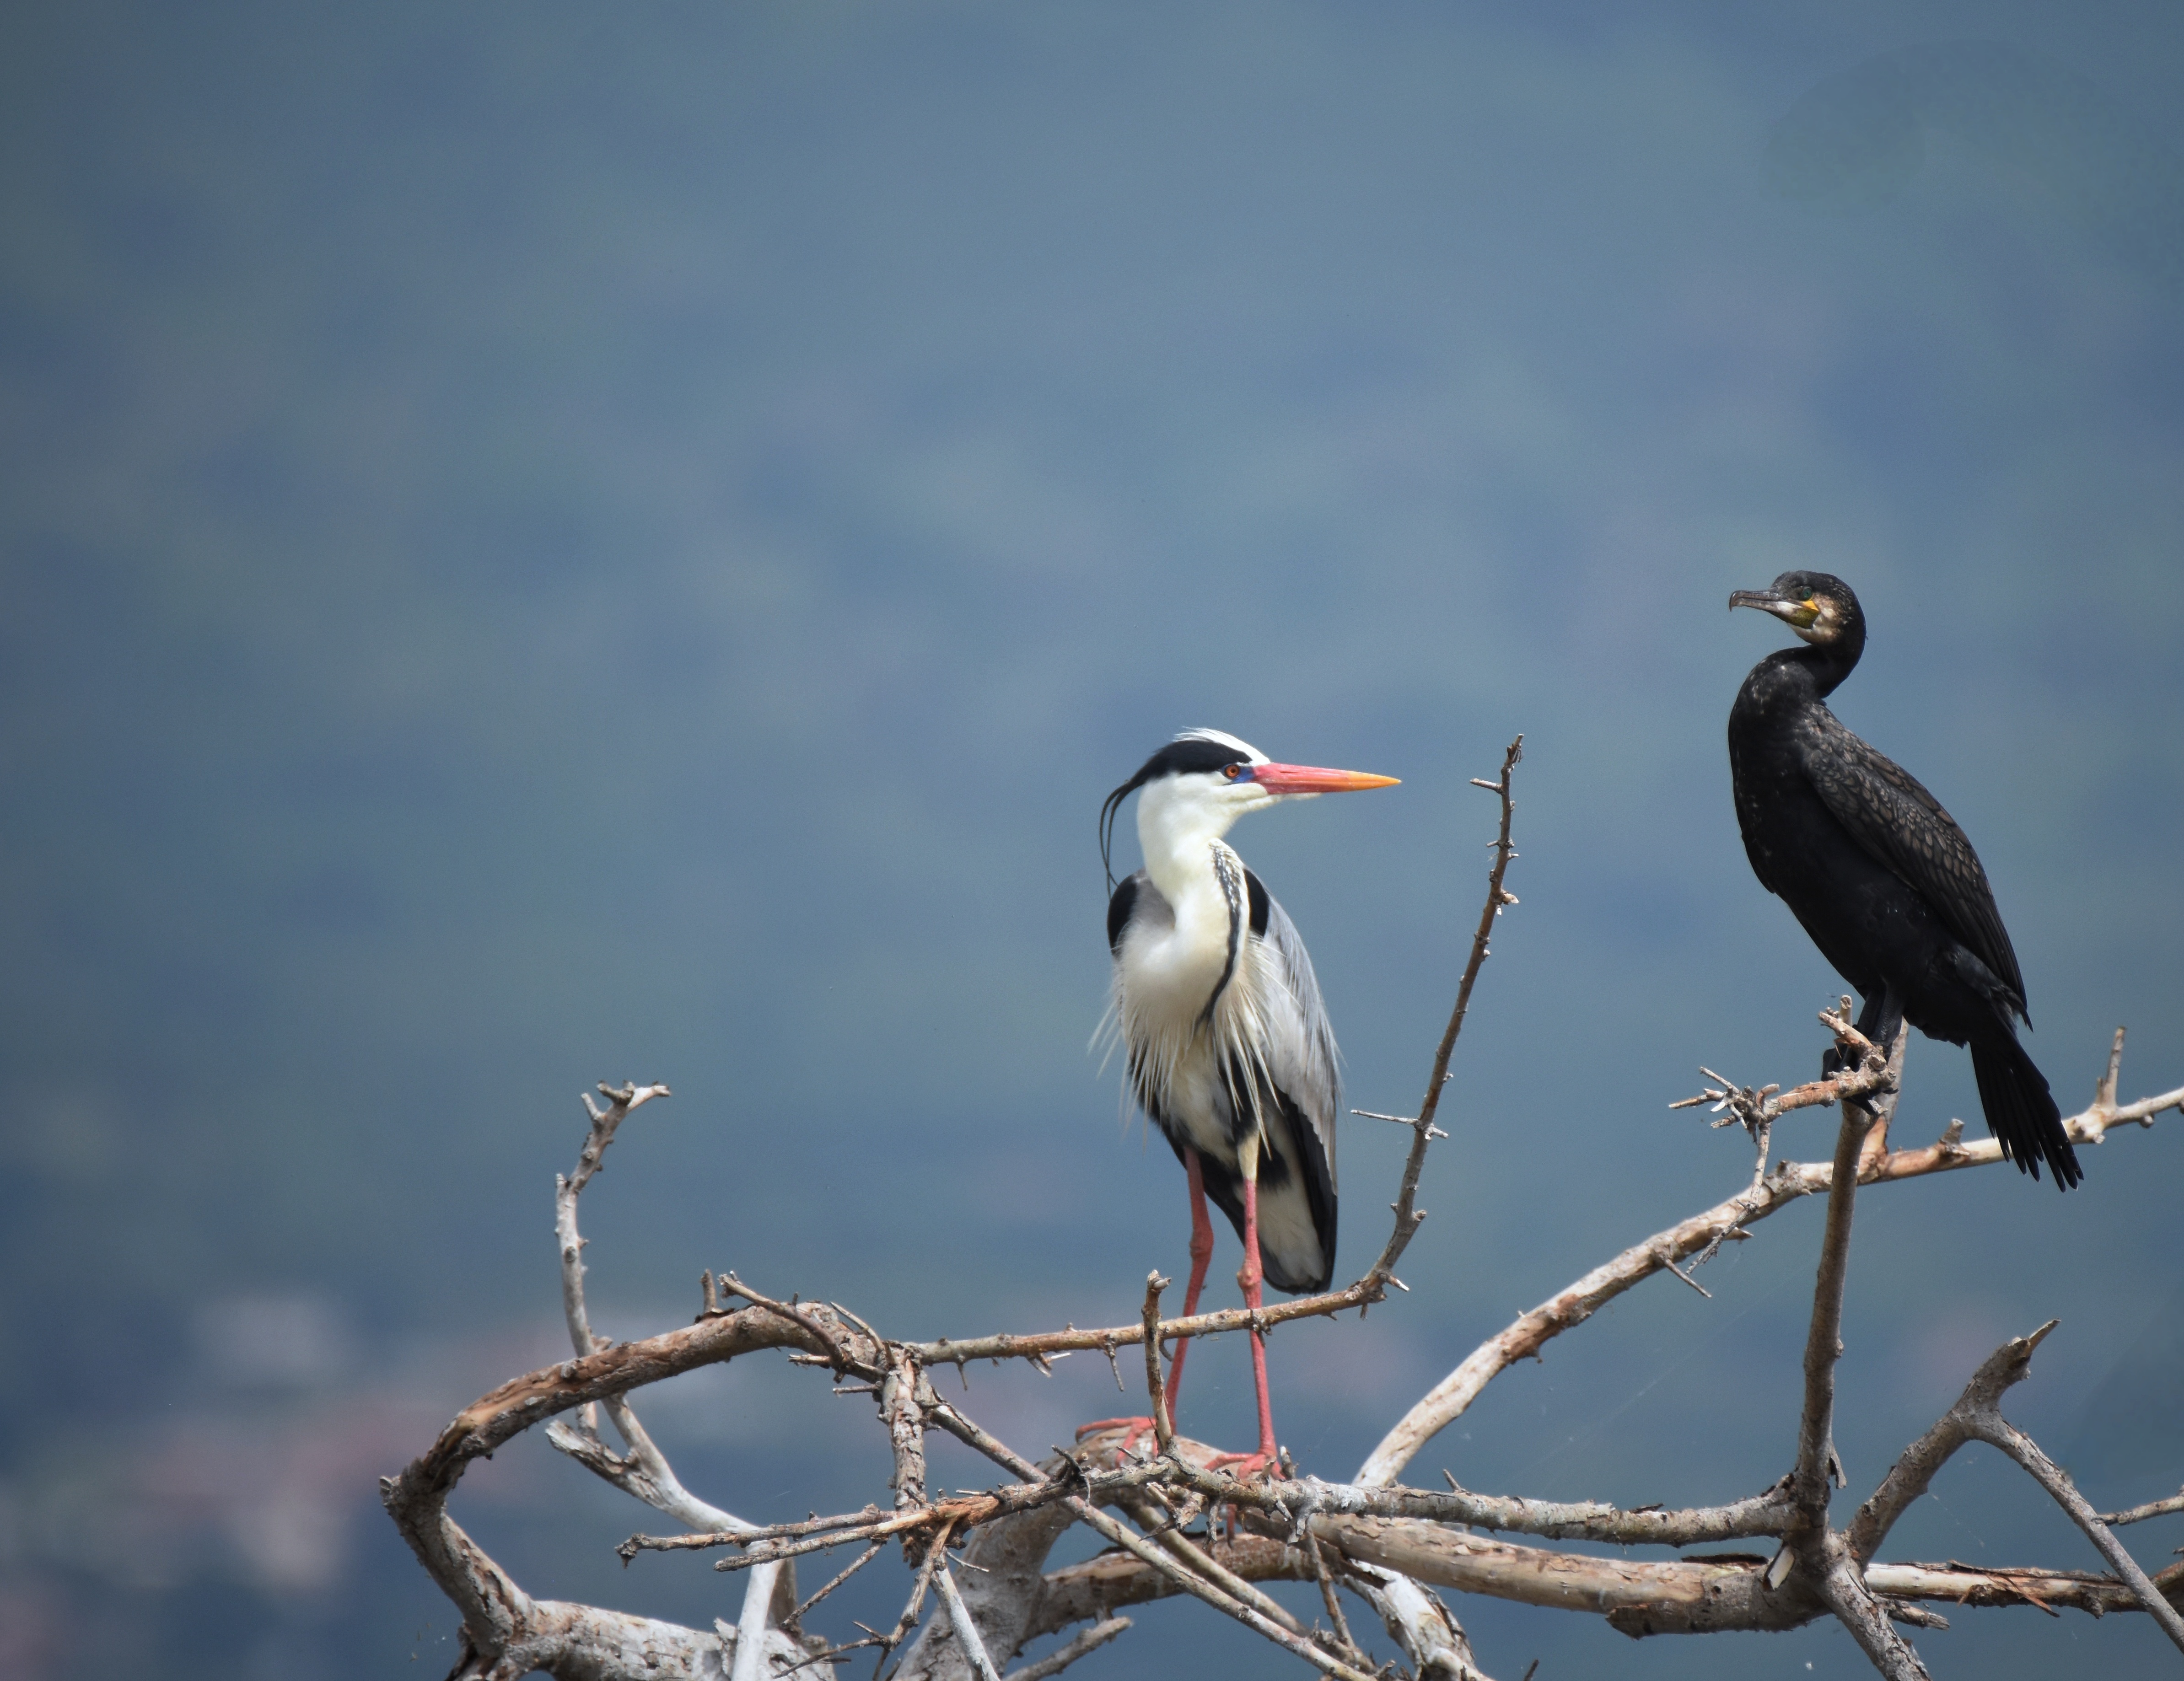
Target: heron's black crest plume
(1194, 750)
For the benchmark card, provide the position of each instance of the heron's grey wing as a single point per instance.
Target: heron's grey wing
(1301, 1053)
(1889, 814)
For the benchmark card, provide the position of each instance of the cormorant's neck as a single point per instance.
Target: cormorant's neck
(1828, 664)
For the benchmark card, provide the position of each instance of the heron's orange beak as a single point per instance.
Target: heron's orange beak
(1310, 779)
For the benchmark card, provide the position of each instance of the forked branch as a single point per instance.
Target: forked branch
(1786, 1183)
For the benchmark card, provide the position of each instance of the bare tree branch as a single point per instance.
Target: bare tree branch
(1842, 1586)
(1332, 1600)
(1916, 1468)
(1977, 1417)
(1684, 1596)
(2046, 1589)
(1426, 1629)
(1789, 1182)
(1408, 1218)
(1056, 1662)
(1825, 1557)
(2139, 1514)
(1197, 1586)
(505, 1633)
(1113, 1580)
(1163, 1426)
(966, 1630)
(644, 1472)
(1768, 1513)
(490, 1602)
(906, 1424)
(1816, 1468)
(1990, 1426)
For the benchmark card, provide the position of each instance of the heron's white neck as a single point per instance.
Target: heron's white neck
(1177, 824)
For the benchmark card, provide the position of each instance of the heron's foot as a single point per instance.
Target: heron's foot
(1132, 1428)
(1244, 1466)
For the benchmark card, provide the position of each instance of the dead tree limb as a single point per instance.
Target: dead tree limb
(1787, 1183)
(1056, 1662)
(1816, 1547)
(2139, 1514)
(1977, 1416)
(1643, 1597)
(643, 1472)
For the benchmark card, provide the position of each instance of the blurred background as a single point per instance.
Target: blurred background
(542, 544)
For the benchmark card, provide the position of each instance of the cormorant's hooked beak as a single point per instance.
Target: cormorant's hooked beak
(1800, 611)
(1289, 779)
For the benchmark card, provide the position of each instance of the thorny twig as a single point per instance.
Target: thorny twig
(1865, 1071)
(2139, 1514)
(878, 1524)
(1789, 1183)
(1977, 1418)
(836, 1356)
(1198, 1586)
(1815, 1467)
(1163, 1426)
(1056, 1662)
(966, 1629)
(934, 1554)
(1408, 1217)
(1348, 1646)
(862, 1559)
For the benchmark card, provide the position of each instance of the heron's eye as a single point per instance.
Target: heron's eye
(1232, 772)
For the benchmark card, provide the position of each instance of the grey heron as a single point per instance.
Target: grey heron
(1215, 1003)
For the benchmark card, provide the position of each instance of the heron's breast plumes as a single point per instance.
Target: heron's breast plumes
(1197, 1072)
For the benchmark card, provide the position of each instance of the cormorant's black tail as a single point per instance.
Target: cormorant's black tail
(2020, 1109)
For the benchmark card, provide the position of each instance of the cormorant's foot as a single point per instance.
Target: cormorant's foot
(1132, 1428)
(1832, 1063)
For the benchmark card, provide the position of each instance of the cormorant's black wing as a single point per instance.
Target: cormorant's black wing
(1890, 815)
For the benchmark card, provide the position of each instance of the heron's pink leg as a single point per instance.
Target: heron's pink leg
(1252, 1277)
(1201, 1255)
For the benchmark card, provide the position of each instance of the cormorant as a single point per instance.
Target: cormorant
(1880, 875)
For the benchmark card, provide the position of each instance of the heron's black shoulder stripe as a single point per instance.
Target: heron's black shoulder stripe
(1227, 867)
(1258, 889)
(1119, 906)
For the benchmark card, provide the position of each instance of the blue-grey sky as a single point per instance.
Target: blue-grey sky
(543, 544)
